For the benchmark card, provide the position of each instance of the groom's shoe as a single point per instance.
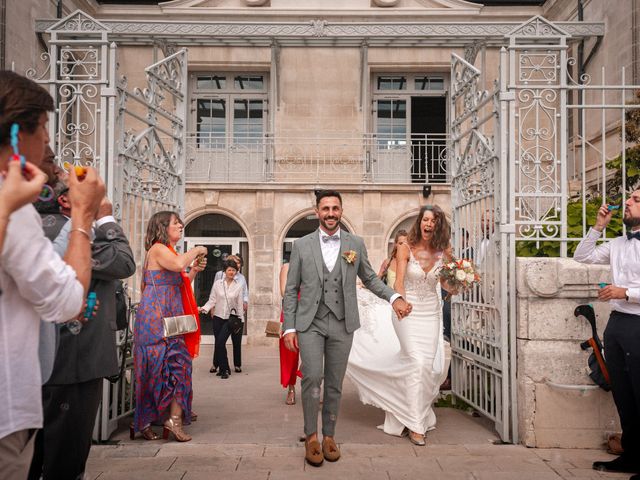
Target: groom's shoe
(313, 453)
(330, 449)
(620, 464)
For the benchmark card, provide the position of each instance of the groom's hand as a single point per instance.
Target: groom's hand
(402, 308)
(291, 341)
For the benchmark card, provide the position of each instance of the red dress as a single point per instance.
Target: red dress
(288, 361)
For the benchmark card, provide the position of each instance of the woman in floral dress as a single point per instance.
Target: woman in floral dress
(163, 365)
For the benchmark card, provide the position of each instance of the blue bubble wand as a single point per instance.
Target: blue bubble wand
(15, 129)
(47, 192)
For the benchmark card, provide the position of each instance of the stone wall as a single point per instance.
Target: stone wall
(551, 413)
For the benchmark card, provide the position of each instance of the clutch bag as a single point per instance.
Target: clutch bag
(272, 329)
(179, 325)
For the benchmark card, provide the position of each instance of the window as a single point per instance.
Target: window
(230, 108)
(409, 113)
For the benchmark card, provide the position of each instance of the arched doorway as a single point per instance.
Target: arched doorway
(222, 236)
(405, 225)
(299, 229)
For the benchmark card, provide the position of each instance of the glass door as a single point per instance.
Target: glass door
(218, 250)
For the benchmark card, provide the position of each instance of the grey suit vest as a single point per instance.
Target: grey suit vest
(332, 299)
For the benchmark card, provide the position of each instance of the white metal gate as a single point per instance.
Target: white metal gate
(135, 137)
(480, 336)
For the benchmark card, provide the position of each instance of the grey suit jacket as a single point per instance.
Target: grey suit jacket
(92, 353)
(306, 274)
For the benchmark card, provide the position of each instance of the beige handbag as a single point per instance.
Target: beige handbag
(178, 325)
(272, 329)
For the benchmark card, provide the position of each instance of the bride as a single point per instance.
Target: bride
(401, 372)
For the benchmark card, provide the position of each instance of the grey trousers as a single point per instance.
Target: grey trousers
(324, 351)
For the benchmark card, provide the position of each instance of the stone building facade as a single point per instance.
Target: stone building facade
(286, 97)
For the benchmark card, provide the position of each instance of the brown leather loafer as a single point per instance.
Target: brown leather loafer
(313, 453)
(330, 450)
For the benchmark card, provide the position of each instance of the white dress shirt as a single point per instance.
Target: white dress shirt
(330, 248)
(624, 257)
(220, 293)
(36, 284)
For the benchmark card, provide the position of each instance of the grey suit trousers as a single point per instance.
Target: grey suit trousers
(324, 351)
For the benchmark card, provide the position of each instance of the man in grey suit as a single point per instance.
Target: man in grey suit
(73, 393)
(323, 267)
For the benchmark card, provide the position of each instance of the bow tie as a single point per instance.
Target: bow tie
(635, 235)
(331, 238)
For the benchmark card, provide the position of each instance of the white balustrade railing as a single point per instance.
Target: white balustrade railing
(373, 158)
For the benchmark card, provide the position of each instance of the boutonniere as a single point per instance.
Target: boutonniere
(349, 256)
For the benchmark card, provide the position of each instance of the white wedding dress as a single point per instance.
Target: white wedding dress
(398, 366)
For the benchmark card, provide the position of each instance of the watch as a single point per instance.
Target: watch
(626, 295)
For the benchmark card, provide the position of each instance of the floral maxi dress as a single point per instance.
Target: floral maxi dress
(162, 365)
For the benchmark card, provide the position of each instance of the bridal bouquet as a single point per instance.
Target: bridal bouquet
(460, 274)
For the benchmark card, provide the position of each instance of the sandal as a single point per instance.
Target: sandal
(291, 397)
(147, 433)
(174, 425)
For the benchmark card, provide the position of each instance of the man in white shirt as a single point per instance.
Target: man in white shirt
(622, 335)
(35, 282)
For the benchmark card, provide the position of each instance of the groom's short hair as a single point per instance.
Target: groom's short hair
(320, 194)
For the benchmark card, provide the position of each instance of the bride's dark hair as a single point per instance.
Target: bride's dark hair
(441, 233)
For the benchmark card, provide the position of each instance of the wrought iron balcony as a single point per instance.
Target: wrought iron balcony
(368, 158)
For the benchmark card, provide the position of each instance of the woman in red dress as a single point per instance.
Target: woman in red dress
(288, 360)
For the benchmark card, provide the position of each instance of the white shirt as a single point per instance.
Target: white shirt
(240, 278)
(36, 284)
(220, 293)
(330, 249)
(624, 257)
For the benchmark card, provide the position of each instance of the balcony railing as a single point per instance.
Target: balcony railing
(369, 158)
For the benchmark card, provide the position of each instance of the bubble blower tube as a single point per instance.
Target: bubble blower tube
(15, 129)
(75, 326)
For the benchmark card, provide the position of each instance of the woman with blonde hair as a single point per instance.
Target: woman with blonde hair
(163, 364)
(388, 268)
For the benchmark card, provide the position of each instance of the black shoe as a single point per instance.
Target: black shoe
(219, 373)
(213, 369)
(635, 477)
(620, 464)
(238, 369)
(225, 375)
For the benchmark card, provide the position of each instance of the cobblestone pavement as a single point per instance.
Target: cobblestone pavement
(245, 431)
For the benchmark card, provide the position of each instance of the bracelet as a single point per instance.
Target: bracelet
(83, 231)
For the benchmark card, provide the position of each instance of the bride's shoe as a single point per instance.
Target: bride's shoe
(417, 439)
(174, 425)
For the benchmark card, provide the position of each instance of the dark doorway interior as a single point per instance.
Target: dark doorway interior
(428, 140)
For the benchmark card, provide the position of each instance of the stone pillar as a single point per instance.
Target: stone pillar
(553, 409)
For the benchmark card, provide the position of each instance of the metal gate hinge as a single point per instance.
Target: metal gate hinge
(507, 228)
(108, 92)
(507, 96)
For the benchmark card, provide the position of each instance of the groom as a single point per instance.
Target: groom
(323, 267)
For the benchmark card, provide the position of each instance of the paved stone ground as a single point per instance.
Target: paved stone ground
(245, 431)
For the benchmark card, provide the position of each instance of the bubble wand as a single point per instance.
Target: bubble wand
(47, 192)
(15, 128)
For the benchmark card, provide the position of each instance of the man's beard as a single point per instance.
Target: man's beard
(631, 222)
(323, 222)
